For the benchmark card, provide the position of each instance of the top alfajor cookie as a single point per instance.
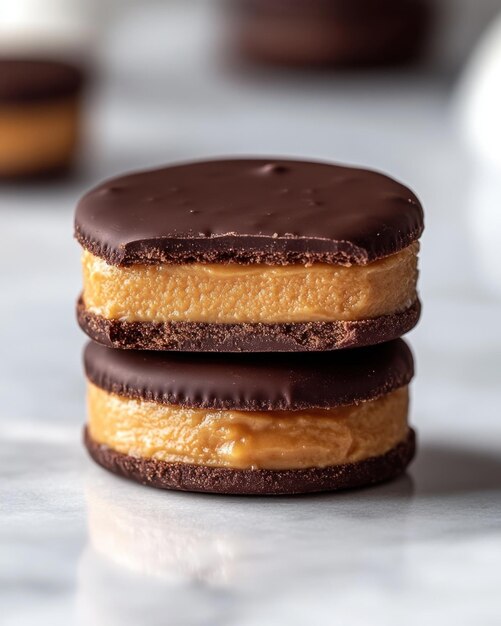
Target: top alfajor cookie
(249, 255)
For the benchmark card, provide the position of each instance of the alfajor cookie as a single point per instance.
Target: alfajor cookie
(241, 424)
(40, 105)
(249, 255)
(333, 33)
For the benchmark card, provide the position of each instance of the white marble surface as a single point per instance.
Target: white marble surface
(79, 546)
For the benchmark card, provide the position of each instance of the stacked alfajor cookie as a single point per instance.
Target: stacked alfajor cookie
(245, 318)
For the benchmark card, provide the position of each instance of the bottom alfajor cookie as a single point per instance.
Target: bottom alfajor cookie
(223, 480)
(251, 423)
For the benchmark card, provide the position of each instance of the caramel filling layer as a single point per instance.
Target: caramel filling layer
(231, 293)
(245, 439)
(37, 137)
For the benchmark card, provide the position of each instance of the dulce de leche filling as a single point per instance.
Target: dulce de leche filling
(38, 136)
(227, 293)
(247, 439)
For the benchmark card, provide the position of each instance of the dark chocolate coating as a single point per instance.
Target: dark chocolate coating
(246, 337)
(185, 477)
(24, 81)
(249, 211)
(252, 382)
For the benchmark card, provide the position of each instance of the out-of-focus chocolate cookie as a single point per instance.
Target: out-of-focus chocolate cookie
(343, 33)
(40, 104)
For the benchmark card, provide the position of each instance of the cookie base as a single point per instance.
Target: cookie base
(222, 480)
(246, 337)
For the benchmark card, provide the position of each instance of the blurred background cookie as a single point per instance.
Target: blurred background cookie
(342, 33)
(40, 103)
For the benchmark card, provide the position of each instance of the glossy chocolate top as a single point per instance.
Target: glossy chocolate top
(252, 382)
(24, 81)
(249, 211)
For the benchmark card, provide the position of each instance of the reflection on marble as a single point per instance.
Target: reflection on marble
(82, 546)
(217, 560)
(149, 548)
(149, 537)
